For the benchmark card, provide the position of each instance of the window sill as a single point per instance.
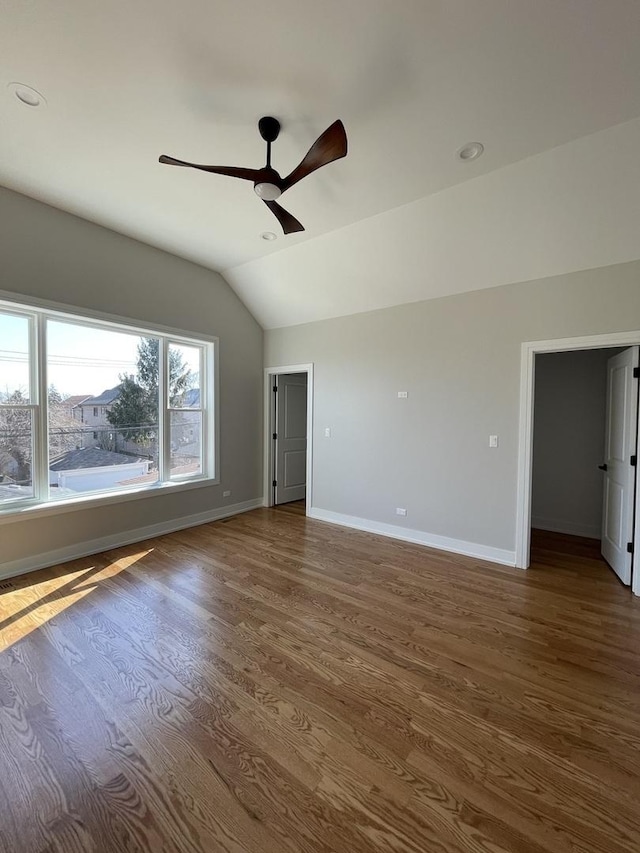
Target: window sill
(24, 513)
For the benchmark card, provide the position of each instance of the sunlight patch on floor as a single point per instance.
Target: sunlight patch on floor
(25, 609)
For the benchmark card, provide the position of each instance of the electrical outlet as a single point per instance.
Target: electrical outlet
(403, 395)
(227, 493)
(400, 510)
(327, 432)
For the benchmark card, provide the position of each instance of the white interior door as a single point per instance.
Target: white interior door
(620, 473)
(290, 437)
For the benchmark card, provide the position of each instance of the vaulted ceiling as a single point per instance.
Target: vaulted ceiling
(549, 87)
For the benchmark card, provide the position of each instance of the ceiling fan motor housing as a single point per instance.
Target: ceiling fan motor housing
(269, 128)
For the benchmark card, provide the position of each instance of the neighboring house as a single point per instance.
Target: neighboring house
(73, 406)
(93, 410)
(90, 469)
(92, 413)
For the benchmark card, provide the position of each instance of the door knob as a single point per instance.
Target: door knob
(603, 467)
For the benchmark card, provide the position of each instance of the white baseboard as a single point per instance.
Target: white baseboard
(118, 540)
(419, 537)
(591, 531)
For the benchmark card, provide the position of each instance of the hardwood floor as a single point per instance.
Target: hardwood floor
(272, 683)
(294, 507)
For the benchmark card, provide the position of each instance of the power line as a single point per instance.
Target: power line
(17, 355)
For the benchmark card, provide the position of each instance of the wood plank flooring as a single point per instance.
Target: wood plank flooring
(273, 684)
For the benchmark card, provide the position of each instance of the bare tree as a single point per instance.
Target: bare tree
(15, 437)
(64, 434)
(16, 432)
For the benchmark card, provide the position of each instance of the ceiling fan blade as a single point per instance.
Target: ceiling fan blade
(289, 223)
(231, 171)
(330, 146)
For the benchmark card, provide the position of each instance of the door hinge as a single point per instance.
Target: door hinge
(275, 483)
(630, 547)
(275, 389)
(634, 460)
(636, 372)
(275, 435)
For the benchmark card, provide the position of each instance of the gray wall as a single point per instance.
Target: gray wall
(52, 255)
(459, 359)
(568, 441)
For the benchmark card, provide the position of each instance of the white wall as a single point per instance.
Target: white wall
(568, 441)
(459, 359)
(52, 255)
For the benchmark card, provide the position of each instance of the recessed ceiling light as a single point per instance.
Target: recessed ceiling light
(27, 95)
(269, 235)
(470, 151)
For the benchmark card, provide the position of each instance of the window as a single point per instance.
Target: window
(151, 394)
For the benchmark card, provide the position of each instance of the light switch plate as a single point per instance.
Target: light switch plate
(493, 441)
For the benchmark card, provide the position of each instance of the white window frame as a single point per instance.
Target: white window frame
(38, 312)
(205, 440)
(33, 405)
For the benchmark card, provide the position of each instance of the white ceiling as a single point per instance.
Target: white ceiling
(400, 218)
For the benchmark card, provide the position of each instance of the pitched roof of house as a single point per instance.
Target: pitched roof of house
(108, 396)
(191, 398)
(91, 457)
(75, 400)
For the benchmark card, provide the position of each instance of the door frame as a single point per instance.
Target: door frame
(269, 373)
(529, 350)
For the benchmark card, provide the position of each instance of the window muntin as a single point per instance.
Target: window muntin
(152, 430)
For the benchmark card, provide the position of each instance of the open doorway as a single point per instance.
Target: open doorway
(583, 480)
(578, 451)
(288, 436)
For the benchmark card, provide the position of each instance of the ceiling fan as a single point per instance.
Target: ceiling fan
(267, 183)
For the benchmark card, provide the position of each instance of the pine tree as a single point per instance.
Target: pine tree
(135, 412)
(180, 377)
